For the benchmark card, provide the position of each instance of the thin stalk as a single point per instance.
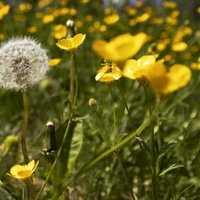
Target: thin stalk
(124, 174)
(24, 128)
(71, 85)
(73, 101)
(76, 80)
(124, 101)
(113, 107)
(153, 150)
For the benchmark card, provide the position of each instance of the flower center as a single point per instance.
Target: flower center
(25, 173)
(20, 68)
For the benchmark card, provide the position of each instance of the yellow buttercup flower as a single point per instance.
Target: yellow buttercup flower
(71, 44)
(23, 171)
(121, 47)
(143, 18)
(32, 29)
(48, 18)
(111, 19)
(4, 9)
(137, 69)
(59, 31)
(169, 4)
(178, 47)
(165, 82)
(110, 72)
(54, 62)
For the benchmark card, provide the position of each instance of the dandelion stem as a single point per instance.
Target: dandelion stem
(24, 128)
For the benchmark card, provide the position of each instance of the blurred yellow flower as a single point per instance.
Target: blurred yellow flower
(178, 47)
(110, 72)
(32, 29)
(111, 19)
(121, 47)
(4, 9)
(44, 3)
(23, 171)
(137, 69)
(59, 31)
(196, 65)
(130, 10)
(54, 62)
(48, 18)
(85, 1)
(2, 36)
(24, 7)
(165, 82)
(169, 4)
(143, 18)
(71, 44)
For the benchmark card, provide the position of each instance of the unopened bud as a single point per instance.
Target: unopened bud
(92, 102)
(50, 137)
(70, 28)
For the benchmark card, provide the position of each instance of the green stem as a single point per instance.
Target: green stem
(113, 107)
(153, 150)
(124, 174)
(124, 141)
(73, 101)
(28, 189)
(24, 128)
(76, 80)
(126, 106)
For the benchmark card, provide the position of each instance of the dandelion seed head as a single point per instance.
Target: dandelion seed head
(23, 62)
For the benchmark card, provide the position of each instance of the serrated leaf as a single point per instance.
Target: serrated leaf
(166, 147)
(172, 167)
(143, 144)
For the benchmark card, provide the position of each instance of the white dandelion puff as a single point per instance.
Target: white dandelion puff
(23, 63)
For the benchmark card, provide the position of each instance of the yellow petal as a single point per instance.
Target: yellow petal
(179, 76)
(138, 69)
(101, 72)
(78, 39)
(111, 19)
(54, 62)
(30, 165)
(130, 68)
(164, 82)
(99, 46)
(65, 44)
(147, 60)
(121, 47)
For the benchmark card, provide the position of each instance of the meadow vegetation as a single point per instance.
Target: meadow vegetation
(114, 116)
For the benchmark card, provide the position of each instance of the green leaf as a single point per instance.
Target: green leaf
(119, 137)
(76, 145)
(166, 147)
(172, 167)
(5, 194)
(143, 145)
